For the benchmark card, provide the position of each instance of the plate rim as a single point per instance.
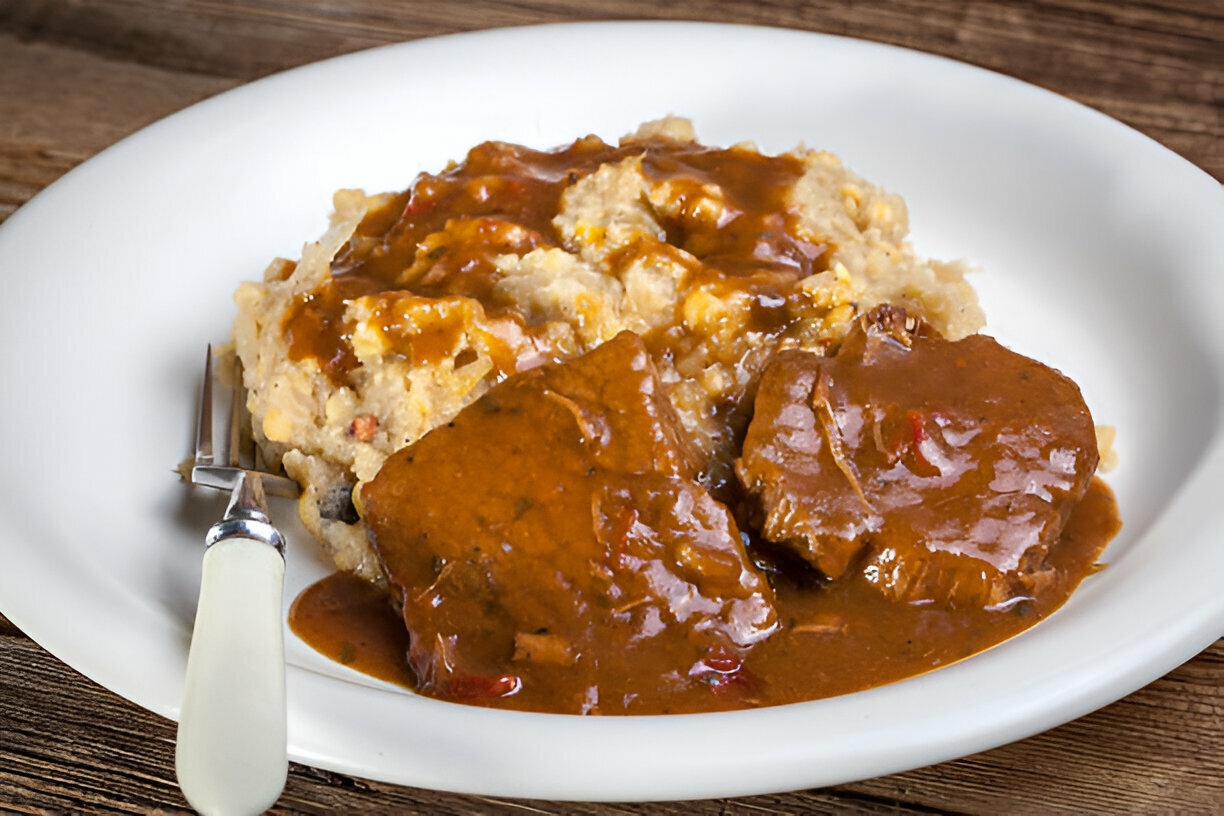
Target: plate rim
(1209, 466)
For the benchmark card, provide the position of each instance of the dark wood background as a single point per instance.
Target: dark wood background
(76, 76)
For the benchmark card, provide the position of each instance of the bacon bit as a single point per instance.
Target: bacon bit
(475, 687)
(363, 427)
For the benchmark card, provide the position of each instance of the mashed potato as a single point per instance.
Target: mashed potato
(410, 306)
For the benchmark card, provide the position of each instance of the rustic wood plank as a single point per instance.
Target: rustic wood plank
(1157, 751)
(187, 35)
(8, 628)
(1154, 66)
(58, 107)
(67, 744)
(76, 76)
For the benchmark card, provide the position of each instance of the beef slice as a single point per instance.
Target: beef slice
(939, 471)
(551, 548)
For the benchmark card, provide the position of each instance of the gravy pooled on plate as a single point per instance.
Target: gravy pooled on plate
(551, 543)
(550, 550)
(669, 282)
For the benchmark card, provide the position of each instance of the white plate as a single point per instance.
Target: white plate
(1102, 254)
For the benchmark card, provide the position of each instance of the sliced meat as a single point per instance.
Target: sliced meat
(550, 545)
(942, 471)
(802, 497)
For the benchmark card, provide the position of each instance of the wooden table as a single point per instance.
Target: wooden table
(77, 76)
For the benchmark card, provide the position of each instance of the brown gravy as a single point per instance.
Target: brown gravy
(834, 639)
(439, 238)
(437, 242)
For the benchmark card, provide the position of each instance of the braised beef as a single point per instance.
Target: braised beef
(551, 550)
(941, 471)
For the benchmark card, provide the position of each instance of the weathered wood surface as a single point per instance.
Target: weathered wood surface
(67, 745)
(77, 76)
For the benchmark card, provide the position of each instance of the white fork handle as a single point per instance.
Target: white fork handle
(231, 757)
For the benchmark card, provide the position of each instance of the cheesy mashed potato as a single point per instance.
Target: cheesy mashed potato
(412, 305)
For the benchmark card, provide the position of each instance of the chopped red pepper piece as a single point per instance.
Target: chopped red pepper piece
(471, 687)
(723, 671)
(417, 205)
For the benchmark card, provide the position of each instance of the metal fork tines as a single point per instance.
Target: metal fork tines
(242, 458)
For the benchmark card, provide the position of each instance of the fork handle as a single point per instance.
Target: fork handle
(231, 756)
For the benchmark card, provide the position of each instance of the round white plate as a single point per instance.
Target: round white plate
(1101, 255)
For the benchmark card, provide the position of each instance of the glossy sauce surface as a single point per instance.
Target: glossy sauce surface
(567, 544)
(942, 470)
(550, 549)
(439, 238)
(833, 639)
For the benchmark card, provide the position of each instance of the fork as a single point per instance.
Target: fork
(231, 755)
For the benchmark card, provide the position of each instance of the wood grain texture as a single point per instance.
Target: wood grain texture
(77, 76)
(91, 751)
(67, 745)
(59, 106)
(1155, 66)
